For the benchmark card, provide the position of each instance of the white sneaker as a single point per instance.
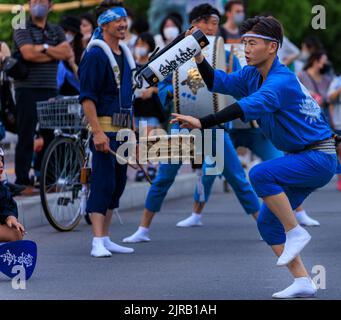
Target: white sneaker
(115, 248)
(304, 220)
(297, 239)
(141, 235)
(194, 220)
(301, 288)
(98, 250)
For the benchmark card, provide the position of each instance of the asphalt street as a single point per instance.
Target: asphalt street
(224, 259)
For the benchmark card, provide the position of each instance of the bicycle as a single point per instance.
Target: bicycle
(63, 194)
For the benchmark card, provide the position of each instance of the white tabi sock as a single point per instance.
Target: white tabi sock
(194, 220)
(141, 235)
(115, 248)
(98, 250)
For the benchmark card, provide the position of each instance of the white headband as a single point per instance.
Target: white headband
(252, 35)
(206, 16)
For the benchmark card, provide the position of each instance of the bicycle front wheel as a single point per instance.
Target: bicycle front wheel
(60, 187)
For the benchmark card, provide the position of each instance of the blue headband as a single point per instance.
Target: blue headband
(252, 35)
(110, 15)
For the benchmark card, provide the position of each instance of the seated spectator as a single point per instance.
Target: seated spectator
(10, 228)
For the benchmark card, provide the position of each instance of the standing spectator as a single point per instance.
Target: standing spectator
(41, 45)
(235, 15)
(5, 87)
(159, 9)
(87, 27)
(288, 53)
(139, 25)
(310, 45)
(67, 78)
(170, 28)
(130, 38)
(315, 79)
(334, 97)
(147, 105)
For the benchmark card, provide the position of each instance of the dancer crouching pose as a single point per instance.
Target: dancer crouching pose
(271, 94)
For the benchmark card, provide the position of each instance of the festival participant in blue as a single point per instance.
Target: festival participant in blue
(106, 95)
(270, 93)
(10, 228)
(16, 255)
(247, 135)
(206, 18)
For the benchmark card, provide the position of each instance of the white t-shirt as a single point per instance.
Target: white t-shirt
(335, 85)
(288, 49)
(131, 42)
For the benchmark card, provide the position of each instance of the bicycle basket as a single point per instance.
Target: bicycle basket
(65, 113)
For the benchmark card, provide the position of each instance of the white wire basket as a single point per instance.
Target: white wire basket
(61, 113)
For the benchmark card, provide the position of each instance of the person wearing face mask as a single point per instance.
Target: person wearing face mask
(148, 110)
(316, 79)
(41, 45)
(310, 45)
(235, 15)
(170, 28)
(67, 79)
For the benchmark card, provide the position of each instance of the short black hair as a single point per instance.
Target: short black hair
(140, 25)
(147, 38)
(266, 26)
(228, 6)
(175, 20)
(313, 43)
(203, 11)
(70, 23)
(90, 18)
(106, 5)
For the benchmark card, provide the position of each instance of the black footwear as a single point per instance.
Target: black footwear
(139, 176)
(152, 173)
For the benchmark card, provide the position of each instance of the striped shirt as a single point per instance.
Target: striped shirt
(41, 75)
